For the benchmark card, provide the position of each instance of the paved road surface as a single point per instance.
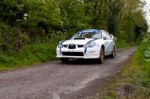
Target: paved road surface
(55, 80)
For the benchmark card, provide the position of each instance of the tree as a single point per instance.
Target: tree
(11, 10)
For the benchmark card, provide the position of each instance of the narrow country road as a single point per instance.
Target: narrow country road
(55, 80)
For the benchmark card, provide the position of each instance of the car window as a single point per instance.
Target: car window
(106, 35)
(97, 35)
(87, 35)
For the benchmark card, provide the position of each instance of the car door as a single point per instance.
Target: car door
(107, 43)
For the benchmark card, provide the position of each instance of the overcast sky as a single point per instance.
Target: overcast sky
(147, 9)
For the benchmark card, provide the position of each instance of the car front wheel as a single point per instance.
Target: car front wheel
(102, 56)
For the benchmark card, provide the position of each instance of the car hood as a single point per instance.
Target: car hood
(78, 41)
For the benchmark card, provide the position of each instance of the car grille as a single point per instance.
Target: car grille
(73, 53)
(65, 46)
(72, 46)
(80, 46)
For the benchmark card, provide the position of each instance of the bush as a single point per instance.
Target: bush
(11, 39)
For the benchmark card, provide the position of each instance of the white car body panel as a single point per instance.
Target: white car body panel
(84, 52)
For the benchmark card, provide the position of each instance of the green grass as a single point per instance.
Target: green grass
(124, 44)
(41, 51)
(135, 77)
(30, 54)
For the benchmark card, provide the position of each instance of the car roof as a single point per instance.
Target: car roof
(89, 30)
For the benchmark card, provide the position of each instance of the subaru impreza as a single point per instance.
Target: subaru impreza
(87, 44)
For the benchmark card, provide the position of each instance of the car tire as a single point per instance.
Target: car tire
(102, 56)
(113, 53)
(64, 60)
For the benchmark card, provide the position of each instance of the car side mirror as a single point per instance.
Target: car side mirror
(112, 37)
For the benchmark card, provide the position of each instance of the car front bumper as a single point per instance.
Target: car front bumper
(81, 53)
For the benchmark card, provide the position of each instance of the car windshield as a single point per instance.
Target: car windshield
(87, 35)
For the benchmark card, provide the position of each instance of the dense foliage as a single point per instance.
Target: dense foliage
(28, 22)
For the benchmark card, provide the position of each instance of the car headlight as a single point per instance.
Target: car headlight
(60, 45)
(91, 44)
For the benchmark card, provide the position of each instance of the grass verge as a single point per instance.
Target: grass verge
(30, 54)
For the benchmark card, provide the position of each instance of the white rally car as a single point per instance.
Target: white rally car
(87, 44)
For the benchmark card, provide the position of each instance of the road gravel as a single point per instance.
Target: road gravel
(55, 80)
